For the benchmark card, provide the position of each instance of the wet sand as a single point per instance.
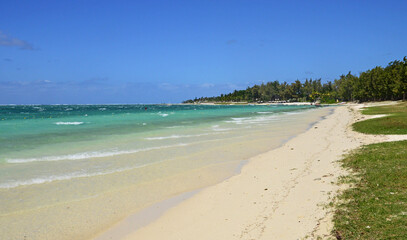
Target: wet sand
(280, 194)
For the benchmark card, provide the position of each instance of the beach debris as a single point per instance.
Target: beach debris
(338, 235)
(265, 189)
(292, 148)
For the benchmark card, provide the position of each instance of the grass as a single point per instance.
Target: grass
(394, 123)
(375, 207)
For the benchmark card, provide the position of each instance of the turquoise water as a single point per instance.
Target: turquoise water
(26, 128)
(104, 162)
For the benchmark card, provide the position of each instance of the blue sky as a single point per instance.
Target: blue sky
(168, 51)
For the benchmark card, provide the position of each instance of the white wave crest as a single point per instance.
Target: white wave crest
(177, 136)
(69, 123)
(85, 155)
(163, 114)
(52, 178)
(252, 120)
(175, 127)
(216, 128)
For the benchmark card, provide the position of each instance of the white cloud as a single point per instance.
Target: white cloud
(6, 40)
(207, 85)
(168, 86)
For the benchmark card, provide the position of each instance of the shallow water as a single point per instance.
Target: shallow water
(81, 168)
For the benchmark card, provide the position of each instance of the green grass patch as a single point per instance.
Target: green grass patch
(386, 109)
(376, 206)
(394, 123)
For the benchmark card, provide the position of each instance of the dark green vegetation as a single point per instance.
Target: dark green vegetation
(375, 207)
(394, 123)
(377, 84)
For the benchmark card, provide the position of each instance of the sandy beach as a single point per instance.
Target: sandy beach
(281, 194)
(198, 120)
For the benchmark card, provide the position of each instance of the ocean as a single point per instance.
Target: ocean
(71, 171)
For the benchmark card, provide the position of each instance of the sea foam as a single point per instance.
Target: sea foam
(253, 120)
(163, 114)
(178, 136)
(69, 123)
(85, 155)
(216, 128)
(68, 176)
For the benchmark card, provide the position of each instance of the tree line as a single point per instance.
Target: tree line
(377, 84)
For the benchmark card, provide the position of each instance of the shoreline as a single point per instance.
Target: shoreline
(209, 153)
(169, 210)
(253, 103)
(151, 213)
(262, 201)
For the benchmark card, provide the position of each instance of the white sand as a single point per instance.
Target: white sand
(278, 195)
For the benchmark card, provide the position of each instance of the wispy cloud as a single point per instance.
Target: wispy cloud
(168, 86)
(8, 41)
(52, 85)
(104, 90)
(231, 41)
(207, 85)
(22, 84)
(95, 81)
